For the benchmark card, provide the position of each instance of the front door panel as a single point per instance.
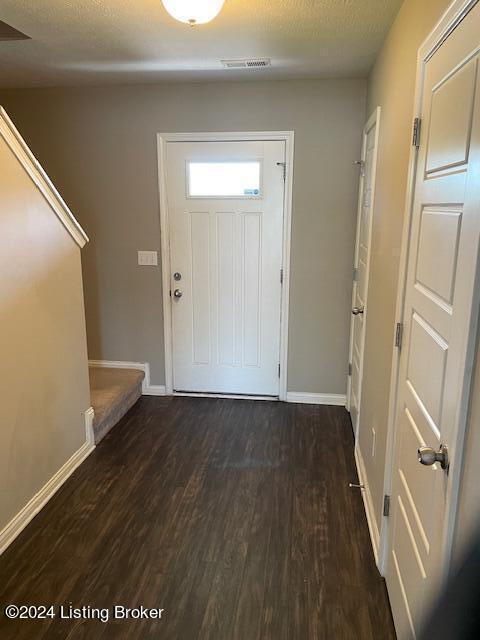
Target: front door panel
(226, 230)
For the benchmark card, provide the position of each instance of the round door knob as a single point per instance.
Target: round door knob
(178, 293)
(358, 311)
(428, 456)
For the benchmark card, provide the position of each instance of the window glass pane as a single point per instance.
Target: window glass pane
(224, 179)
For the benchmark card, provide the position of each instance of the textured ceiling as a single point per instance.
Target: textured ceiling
(77, 42)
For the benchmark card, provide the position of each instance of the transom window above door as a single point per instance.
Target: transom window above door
(224, 179)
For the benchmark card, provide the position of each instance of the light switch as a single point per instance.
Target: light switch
(149, 258)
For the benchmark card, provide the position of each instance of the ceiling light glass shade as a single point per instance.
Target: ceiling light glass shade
(193, 11)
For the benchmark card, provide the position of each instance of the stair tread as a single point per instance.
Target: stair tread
(113, 391)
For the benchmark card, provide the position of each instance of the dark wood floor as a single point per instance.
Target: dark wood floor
(233, 516)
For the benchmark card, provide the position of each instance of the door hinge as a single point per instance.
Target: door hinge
(279, 370)
(355, 274)
(417, 126)
(281, 276)
(399, 335)
(284, 166)
(350, 369)
(386, 506)
(361, 164)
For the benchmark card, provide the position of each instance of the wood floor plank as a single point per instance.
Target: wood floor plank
(234, 516)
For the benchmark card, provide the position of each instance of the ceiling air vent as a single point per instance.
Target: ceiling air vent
(247, 63)
(9, 33)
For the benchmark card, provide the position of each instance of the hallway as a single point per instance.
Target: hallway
(235, 517)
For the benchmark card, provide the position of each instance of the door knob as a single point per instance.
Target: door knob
(178, 293)
(358, 311)
(428, 456)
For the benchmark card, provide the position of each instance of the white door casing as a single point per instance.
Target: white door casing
(440, 313)
(229, 250)
(362, 265)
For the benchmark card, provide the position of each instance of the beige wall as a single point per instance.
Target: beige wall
(43, 364)
(99, 147)
(391, 85)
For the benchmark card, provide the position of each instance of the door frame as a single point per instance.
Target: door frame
(452, 17)
(374, 119)
(226, 136)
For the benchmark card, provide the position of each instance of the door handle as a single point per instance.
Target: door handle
(178, 293)
(428, 456)
(357, 311)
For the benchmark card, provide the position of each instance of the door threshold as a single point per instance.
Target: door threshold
(231, 396)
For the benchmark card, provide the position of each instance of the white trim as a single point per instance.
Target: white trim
(154, 390)
(40, 499)
(162, 139)
(117, 364)
(33, 168)
(226, 136)
(89, 433)
(148, 389)
(287, 234)
(338, 400)
(368, 503)
(230, 396)
(373, 121)
(446, 25)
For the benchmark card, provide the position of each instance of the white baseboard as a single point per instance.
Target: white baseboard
(40, 499)
(154, 390)
(227, 396)
(117, 364)
(89, 434)
(148, 389)
(368, 504)
(316, 398)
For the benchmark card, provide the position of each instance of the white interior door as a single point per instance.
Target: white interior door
(362, 264)
(441, 306)
(225, 203)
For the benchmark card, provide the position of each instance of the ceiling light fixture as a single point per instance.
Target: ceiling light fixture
(193, 11)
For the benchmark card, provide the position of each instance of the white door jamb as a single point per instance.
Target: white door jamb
(373, 119)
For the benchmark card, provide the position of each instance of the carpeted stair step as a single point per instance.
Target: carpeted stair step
(113, 392)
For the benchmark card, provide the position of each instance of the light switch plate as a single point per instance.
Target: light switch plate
(149, 258)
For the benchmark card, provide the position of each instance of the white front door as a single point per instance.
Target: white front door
(362, 264)
(441, 309)
(225, 203)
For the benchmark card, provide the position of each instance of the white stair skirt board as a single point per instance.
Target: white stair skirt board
(338, 400)
(148, 389)
(40, 499)
(19, 147)
(368, 504)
